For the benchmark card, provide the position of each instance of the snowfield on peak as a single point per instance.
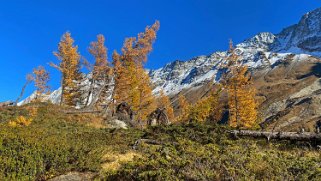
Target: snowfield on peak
(53, 97)
(261, 40)
(178, 75)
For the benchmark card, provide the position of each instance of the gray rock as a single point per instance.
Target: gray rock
(115, 123)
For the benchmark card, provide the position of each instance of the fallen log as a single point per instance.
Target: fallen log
(146, 141)
(295, 136)
(81, 111)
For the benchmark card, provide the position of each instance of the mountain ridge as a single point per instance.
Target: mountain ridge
(259, 50)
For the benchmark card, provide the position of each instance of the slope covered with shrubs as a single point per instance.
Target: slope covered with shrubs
(55, 143)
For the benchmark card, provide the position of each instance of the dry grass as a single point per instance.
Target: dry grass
(113, 161)
(96, 122)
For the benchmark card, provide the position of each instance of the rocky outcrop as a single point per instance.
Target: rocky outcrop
(158, 117)
(290, 95)
(302, 37)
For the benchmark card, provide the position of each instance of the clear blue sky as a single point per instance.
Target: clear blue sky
(31, 29)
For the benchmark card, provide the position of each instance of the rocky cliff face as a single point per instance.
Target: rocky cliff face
(304, 37)
(290, 94)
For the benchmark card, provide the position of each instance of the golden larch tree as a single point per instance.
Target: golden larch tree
(144, 101)
(241, 98)
(132, 82)
(101, 71)
(99, 51)
(70, 68)
(206, 109)
(119, 92)
(41, 78)
(164, 102)
(183, 108)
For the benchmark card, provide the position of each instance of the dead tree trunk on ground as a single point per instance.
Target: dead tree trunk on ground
(146, 141)
(295, 136)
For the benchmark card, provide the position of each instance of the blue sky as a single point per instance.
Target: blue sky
(31, 29)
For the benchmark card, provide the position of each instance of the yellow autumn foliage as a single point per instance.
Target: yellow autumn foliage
(241, 99)
(183, 108)
(206, 108)
(132, 83)
(41, 78)
(20, 121)
(70, 68)
(164, 102)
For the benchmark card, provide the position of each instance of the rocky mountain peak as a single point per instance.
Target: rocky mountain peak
(304, 37)
(262, 40)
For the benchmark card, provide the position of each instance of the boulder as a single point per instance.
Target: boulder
(118, 124)
(158, 117)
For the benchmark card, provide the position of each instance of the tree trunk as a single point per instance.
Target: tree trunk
(90, 92)
(22, 91)
(62, 91)
(98, 98)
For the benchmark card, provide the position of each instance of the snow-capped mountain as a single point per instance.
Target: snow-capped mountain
(264, 50)
(179, 75)
(304, 37)
(53, 97)
(262, 40)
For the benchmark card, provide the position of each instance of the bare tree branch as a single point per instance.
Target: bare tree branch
(55, 66)
(86, 64)
(29, 79)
